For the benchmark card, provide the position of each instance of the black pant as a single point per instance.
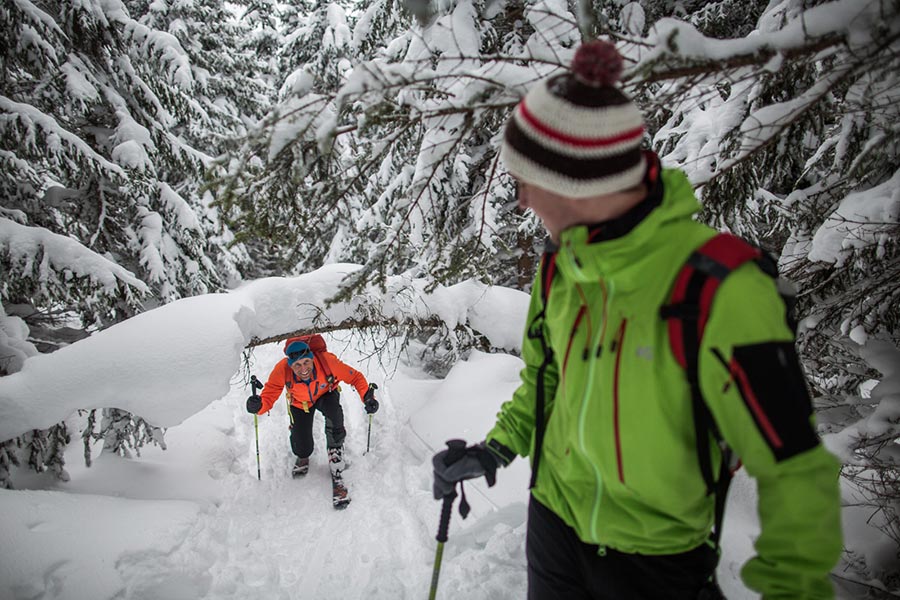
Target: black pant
(301, 431)
(562, 567)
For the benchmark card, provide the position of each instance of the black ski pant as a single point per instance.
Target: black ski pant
(302, 422)
(562, 567)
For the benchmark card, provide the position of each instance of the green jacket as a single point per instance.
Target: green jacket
(619, 460)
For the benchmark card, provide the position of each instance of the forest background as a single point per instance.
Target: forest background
(151, 151)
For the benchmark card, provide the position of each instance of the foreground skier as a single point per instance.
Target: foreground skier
(633, 372)
(311, 380)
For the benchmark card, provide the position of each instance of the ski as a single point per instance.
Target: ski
(340, 497)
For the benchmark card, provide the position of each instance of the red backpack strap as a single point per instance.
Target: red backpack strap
(326, 370)
(317, 344)
(695, 287)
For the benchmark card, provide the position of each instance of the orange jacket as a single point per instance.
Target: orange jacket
(304, 394)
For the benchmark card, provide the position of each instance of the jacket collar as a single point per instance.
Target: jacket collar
(616, 250)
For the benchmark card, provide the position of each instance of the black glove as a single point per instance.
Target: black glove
(458, 463)
(254, 403)
(369, 400)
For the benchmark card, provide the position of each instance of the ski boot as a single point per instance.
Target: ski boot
(301, 467)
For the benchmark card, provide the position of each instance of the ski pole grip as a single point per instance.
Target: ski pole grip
(456, 449)
(446, 510)
(255, 383)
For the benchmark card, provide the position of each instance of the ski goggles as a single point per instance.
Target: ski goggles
(297, 351)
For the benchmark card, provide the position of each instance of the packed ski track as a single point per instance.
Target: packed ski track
(280, 538)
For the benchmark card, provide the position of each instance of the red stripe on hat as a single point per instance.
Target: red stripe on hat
(578, 141)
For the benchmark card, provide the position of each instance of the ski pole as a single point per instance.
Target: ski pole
(455, 449)
(369, 434)
(255, 383)
(256, 430)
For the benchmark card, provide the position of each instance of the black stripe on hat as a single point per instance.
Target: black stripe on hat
(566, 87)
(581, 169)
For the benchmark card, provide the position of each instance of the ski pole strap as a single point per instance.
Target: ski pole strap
(464, 507)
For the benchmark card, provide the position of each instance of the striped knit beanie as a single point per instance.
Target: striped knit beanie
(576, 134)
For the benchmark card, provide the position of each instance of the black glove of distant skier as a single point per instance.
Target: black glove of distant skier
(459, 463)
(369, 400)
(254, 403)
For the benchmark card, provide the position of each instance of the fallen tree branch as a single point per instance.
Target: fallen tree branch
(352, 323)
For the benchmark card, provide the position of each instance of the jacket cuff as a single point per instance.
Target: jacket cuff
(503, 454)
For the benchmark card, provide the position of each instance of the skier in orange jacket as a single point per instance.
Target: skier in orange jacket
(311, 380)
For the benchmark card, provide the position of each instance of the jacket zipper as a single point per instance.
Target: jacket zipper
(578, 318)
(620, 339)
(599, 339)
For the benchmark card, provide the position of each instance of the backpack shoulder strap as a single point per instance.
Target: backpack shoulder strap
(322, 361)
(536, 331)
(686, 314)
(695, 288)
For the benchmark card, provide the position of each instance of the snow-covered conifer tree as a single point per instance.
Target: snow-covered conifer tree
(106, 125)
(233, 80)
(95, 171)
(397, 167)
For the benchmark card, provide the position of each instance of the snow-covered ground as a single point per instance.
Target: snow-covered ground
(194, 521)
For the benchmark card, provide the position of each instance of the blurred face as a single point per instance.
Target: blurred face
(558, 212)
(303, 368)
(555, 212)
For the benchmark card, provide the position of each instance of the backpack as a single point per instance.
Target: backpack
(317, 344)
(686, 314)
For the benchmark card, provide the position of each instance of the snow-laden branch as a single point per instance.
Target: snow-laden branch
(35, 128)
(863, 219)
(210, 332)
(51, 258)
(166, 47)
(678, 49)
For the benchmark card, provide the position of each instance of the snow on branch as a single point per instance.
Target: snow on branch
(678, 49)
(39, 131)
(53, 259)
(768, 124)
(863, 219)
(166, 47)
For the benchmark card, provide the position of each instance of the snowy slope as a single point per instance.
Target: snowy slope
(193, 522)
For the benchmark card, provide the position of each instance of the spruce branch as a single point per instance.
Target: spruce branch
(666, 67)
